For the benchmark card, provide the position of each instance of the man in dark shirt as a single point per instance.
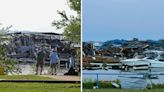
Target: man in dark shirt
(40, 61)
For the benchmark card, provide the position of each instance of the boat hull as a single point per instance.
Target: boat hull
(135, 62)
(156, 64)
(141, 63)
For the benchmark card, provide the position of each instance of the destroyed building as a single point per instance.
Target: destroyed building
(122, 48)
(25, 45)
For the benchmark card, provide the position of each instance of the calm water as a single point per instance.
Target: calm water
(27, 69)
(127, 81)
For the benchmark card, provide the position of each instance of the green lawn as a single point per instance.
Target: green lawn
(39, 87)
(122, 90)
(25, 77)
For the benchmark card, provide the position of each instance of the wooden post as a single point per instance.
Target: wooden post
(97, 81)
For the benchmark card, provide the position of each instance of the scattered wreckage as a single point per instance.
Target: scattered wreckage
(23, 46)
(116, 50)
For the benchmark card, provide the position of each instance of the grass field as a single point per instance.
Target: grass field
(35, 87)
(122, 90)
(25, 77)
(39, 87)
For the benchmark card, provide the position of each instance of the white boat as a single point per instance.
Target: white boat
(153, 58)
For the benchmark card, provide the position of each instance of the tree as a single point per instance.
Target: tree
(70, 24)
(8, 64)
(161, 40)
(3, 31)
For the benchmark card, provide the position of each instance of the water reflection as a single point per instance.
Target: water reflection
(29, 68)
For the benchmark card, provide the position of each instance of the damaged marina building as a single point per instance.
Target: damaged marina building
(23, 46)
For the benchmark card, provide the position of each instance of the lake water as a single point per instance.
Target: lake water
(129, 79)
(29, 68)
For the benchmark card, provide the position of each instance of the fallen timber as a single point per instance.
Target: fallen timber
(99, 62)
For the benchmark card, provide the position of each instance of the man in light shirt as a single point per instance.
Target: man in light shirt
(53, 61)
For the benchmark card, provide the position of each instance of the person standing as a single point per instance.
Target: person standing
(40, 61)
(53, 61)
(71, 62)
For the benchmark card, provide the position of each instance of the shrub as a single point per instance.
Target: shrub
(8, 64)
(156, 86)
(88, 84)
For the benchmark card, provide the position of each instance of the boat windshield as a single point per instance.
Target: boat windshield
(161, 58)
(151, 55)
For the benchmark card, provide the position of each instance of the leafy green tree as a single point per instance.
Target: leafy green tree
(8, 64)
(71, 24)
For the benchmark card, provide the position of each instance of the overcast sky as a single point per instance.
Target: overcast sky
(32, 15)
(123, 19)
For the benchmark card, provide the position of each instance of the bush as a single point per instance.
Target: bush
(156, 86)
(8, 64)
(105, 84)
(88, 84)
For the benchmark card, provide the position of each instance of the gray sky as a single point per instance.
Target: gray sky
(123, 19)
(32, 15)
